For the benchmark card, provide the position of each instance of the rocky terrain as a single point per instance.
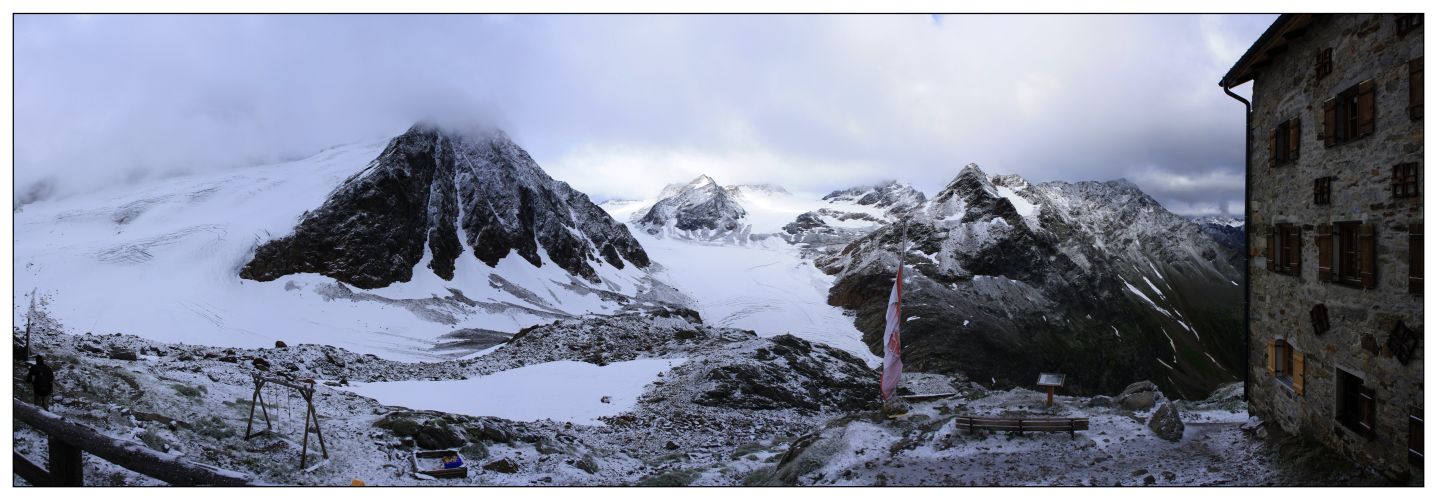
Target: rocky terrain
(741, 410)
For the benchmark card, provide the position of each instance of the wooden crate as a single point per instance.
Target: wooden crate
(431, 463)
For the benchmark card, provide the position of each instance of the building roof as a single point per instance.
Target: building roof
(1270, 44)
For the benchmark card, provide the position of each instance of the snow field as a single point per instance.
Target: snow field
(568, 391)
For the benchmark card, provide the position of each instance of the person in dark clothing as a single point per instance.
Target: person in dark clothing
(42, 380)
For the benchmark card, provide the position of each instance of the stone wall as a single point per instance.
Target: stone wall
(1365, 47)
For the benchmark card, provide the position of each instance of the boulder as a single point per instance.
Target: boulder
(280, 344)
(1099, 401)
(895, 406)
(1138, 396)
(503, 465)
(123, 354)
(1166, 423)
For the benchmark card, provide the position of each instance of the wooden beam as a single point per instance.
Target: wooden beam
(30, 471)
(125, 453)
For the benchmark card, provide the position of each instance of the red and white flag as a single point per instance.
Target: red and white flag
(893, 365)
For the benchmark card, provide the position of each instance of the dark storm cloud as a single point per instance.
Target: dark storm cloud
(620, 105)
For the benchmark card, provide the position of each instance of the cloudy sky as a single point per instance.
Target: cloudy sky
(618, 106)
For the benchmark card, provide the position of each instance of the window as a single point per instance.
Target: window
(1415, 258)
(1405, 180)
(1322, 191)
(1348, 116)
(1285, 364)
(1415, 436)
(1415, 88)
(1356, 404)
(1284, 249)
(1353, 261)
(1323, 66)
(1408, 22)
(1282, 359)
(1319, 317)
(1283, 143)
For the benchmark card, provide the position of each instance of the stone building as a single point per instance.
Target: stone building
(1335, 214)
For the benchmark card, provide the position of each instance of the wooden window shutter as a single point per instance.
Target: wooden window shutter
(1365, 108)
(1293, 139)
(1298, 372)
(1415, 88)
(1330, 121)
(1415, 258)
(1294, 263)
(1367, 255)
(1272, 357)
(1272, 253)
(1324, 241)
(1273, 148)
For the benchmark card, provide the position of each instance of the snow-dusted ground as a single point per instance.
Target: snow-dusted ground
(567, 391)
(162, 260)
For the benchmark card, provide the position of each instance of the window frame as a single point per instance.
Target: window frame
(1407, 180)
(1323, 65)
(1356, 404)
(1407, 23)
(1346, 123)
(1283, 361)
(1415, 435)
(1323, 190)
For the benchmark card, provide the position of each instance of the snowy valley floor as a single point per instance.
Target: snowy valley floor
(668, 402)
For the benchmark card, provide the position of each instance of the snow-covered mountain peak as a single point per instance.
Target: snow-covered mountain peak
(699, 209)
(436, 194)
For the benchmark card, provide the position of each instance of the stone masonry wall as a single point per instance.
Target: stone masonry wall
(1365, 47)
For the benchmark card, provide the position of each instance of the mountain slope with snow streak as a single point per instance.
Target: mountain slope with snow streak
(1009, 279)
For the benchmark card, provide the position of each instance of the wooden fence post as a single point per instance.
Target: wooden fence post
(67, 465)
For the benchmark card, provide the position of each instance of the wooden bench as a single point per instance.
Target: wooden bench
(1022, 424)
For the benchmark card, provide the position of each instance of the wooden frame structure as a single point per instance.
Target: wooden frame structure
(306, 389)
(70, 440)
(1050, 381)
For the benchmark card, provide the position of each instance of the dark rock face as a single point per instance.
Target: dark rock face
(436, 186)
(1005, 280)
(828, 379)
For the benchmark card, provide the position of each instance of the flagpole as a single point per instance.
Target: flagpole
(893, 363)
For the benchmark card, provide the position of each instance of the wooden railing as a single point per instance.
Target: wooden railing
(68, 440)
(1022, 424)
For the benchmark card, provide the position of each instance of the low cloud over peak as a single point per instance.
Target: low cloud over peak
(619, 106)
